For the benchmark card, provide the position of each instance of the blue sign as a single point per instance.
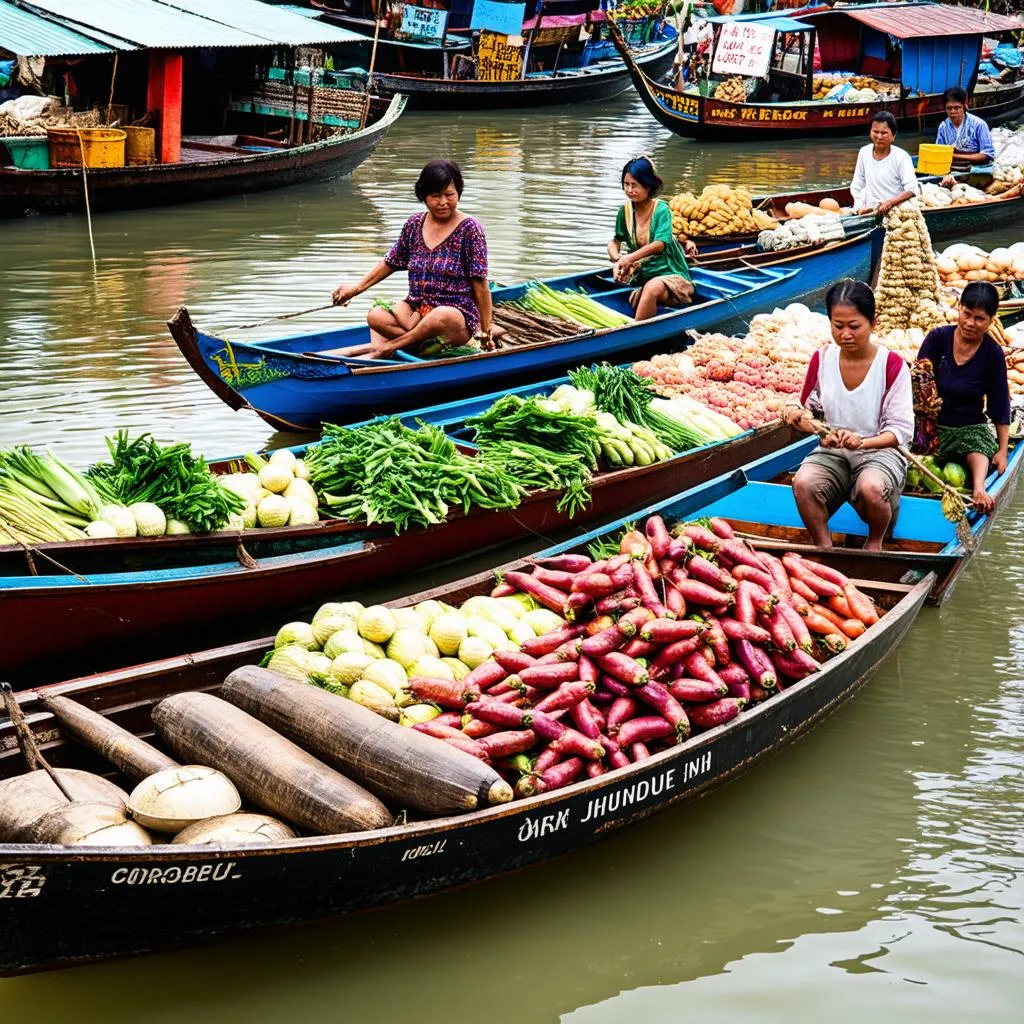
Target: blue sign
(501, 18)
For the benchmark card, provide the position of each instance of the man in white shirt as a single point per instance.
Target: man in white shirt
(884, 176)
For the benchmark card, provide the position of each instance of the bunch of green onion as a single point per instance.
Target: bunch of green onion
(575, 306)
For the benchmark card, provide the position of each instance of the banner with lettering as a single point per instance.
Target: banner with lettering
(497, 59)
(505, 19)
(744, 48)
(422, 24)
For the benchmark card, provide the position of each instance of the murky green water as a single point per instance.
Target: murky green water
(872, 871)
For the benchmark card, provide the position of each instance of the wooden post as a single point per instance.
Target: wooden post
(369, 73)
(163, 93)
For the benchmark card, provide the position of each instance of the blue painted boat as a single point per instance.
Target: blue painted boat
(291, 384)
(758, 501)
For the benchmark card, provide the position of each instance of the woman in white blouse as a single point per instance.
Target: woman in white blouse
(884, 176)
(863, 392)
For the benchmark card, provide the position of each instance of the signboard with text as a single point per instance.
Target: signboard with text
(497, 59)
(744, 48)
(505, 19)
(425, 24)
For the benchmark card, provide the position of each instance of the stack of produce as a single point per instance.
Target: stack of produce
(664, 635)
(908, 293)
(803, 229)
(960, 264)
(370, 654)
(861, 88)
(732, 90)
(718, 210)
(276, 493)
(1008, 167)
(384, 472)
(1015, 364)
(799, 210)
(961, 194)
(571, 306)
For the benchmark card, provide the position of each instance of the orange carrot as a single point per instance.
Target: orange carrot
(817, 623)
(861, 605)
(841, 605)
(853, 628)
(799, 587)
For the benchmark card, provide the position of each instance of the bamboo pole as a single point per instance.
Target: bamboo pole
(369, 73)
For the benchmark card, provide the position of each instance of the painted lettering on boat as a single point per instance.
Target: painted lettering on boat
(425, 851)
(21, 881)
(620, 798)
(758, 114)
(175, 875)
(684, 106)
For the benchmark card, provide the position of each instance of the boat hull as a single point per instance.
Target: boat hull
(299, 392)
(129, 902)
(27, 192)
(114, 619)
(576, 85)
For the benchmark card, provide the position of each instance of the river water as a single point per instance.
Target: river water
(873, 869)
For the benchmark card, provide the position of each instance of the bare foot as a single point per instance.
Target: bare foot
(983, 501)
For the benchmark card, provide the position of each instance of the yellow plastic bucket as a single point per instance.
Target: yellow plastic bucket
(139, 146)
(932, 159)
(101, 147)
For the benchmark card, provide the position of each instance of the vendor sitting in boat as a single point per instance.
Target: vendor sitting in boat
(644, 252)
(967, 134)
(863, 392)
(970, 369)
(884, 176)
(445, 252)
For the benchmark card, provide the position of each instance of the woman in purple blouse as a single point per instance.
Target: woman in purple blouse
(445, 254)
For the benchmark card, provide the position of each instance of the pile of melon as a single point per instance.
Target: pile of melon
(827, 205)
(960, 264)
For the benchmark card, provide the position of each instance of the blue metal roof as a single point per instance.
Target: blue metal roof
(27, 35)
(766, 20)
(183, 24)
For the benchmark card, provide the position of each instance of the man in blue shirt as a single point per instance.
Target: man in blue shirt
(968, 135)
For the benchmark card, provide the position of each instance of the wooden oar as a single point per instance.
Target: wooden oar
(953, 506)
(27, 742)
(282, 316)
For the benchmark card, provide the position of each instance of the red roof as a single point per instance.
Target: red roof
(933, 20)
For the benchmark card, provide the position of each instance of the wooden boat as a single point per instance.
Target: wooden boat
(553, 66)
(292, 386)
(758, 501)
(944, 222)
(121, 600)
(211, 167)
(73, 905)
(856, 35)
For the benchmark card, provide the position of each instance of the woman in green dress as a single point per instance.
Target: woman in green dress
(644, 251)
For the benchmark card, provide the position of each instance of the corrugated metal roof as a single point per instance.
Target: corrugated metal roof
(265, 20)
(28, 35)
(775, 21)
(182, 24)
(915, 21)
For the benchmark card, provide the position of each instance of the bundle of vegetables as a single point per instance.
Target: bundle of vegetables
(167, 490)
(628, 397)
(43, 499)
(543, 469)
(908, 291)
(575, 306)
(676, 632)
(384, 472)
(718, 210)
(371, 654)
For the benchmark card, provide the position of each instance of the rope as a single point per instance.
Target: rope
(88, 211)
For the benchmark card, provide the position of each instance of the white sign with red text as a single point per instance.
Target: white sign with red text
(743, 49)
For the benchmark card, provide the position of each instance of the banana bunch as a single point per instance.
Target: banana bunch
(718, 210)
(626, 444)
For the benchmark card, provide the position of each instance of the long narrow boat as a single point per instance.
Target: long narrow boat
(943, 222)
(211, 167)
(758, 501)
(155, 596)
(72, 905)
(916, 66)
(293, 384)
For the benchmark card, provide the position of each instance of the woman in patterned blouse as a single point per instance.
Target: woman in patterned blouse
(445, 254)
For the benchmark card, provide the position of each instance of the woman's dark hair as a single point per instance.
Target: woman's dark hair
(980, 295)
(884, 117)
(849, 292)
(954, 94)
(436, 177)
(642, 169)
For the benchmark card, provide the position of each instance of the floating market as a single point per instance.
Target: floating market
(634, 384)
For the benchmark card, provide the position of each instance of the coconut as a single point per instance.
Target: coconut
(178, 797)
(24, 799)
(234, 830)
(88, 823)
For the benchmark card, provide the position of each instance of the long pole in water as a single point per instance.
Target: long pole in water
(88, 211)
(373, 60)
